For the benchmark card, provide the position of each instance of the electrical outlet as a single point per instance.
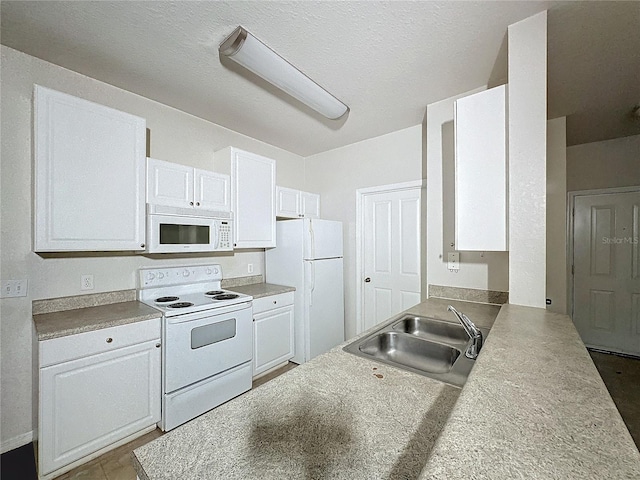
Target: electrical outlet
(250, 267)
(86, 282)
(453, 261)
(14, 288)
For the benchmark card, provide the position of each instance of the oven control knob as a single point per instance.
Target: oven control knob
(208, 271)
(151, 276)
(160, 275)
(185, 273)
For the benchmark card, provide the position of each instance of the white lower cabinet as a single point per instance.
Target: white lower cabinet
(272, 331)
(96, 389)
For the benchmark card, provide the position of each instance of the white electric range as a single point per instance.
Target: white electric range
(206, 339)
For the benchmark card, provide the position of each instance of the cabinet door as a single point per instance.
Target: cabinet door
(211, 191)
(89, 175)
(288, 202)
(253, 193)
(309, 205)
(273, 338)
(481, 171)
(89, 403)
(169, 184)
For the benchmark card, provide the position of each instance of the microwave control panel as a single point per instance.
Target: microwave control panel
(224, 235)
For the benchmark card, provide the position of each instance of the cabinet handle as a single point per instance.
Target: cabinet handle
(109, 340)
(197, 204)
(368, 279)
(191, 203)
(158, 345)
(274, 302)
(142, 245)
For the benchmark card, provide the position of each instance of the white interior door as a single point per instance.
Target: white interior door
(391, 254)
(606, 292)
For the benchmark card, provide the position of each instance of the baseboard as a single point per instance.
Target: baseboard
(16, 442)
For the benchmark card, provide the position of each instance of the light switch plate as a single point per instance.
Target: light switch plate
(453, 261)
(14, 288)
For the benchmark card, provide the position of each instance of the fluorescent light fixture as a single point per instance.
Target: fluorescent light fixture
(252, 54)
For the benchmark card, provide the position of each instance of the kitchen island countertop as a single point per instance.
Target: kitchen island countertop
(534, 406)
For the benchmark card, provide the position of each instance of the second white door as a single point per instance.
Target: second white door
(606, 282)
(391, 254)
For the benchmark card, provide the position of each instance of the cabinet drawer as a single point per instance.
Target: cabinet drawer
(272, 301)
(71, 347)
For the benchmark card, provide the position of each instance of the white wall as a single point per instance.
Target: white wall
(556, 214)
(337, 174)
(478, 270)
(608, 164)
(175, 136)
(527, 160)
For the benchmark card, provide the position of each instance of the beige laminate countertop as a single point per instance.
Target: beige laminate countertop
(259, 290)
(80, 320)
(534, 406)
(70, 319)
(338, 416)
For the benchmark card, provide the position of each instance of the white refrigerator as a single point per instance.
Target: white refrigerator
(308, 256)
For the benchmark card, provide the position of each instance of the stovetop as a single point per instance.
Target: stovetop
(181, 290)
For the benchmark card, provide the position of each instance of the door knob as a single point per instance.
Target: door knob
(367, 280)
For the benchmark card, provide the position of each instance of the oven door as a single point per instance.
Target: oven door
(172, 234)
(200, 345)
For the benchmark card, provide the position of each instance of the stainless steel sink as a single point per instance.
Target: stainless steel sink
(411, 352)
(427, 346)
(433, 329)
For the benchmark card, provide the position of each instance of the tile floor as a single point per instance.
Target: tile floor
(19, 464)
(621, 375)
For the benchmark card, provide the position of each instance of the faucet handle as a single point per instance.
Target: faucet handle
(472, 326)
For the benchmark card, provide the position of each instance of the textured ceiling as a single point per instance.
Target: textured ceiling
(387, 60)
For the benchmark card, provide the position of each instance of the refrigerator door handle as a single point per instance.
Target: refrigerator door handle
(313, 240)
(313, 283)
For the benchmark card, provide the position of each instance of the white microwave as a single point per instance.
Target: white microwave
(184, 230)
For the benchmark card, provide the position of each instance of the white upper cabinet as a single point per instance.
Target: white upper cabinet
(212, 190)
(309, 205)
(253, 189)
(89, 190)
(177, 185)
(481, 187)
(293, 203)
(288, 201)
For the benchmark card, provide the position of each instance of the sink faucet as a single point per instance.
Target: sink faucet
(474, 333)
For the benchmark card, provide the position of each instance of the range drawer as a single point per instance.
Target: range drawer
(264, 304)
(71, 347)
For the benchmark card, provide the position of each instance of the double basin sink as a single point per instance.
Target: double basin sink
(427, 346)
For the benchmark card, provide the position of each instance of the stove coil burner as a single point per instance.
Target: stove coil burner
(180, 305)
(213, 293)
(226, 296)
(166, 299)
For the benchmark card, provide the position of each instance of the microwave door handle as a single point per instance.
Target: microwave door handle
(216, 233)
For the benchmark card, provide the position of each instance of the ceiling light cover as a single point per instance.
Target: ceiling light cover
(245, 49)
